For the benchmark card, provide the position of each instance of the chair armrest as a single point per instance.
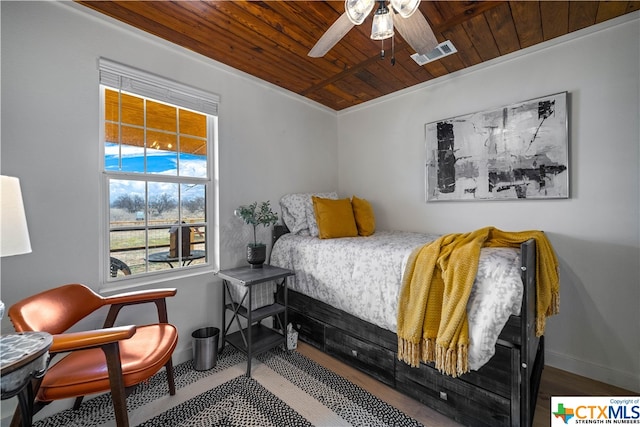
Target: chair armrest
(157, 296)
(89, 339)
(140, 296)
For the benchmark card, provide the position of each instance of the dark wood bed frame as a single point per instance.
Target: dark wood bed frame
(501, 393)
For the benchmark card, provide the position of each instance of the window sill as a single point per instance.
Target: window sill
(143, 280)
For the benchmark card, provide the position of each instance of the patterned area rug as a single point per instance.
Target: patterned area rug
(285, 389)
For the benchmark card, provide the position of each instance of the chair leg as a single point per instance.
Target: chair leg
(77, 403)
(25, 400)
(112, 353)
(171, 377)
(27, 405)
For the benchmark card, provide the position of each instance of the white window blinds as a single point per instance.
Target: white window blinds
(132, 80)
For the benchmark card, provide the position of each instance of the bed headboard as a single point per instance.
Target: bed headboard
(278, 230)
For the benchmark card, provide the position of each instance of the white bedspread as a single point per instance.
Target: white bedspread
(363, 275)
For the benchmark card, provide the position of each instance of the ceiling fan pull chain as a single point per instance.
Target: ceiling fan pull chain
(381, 50)
(393, 50)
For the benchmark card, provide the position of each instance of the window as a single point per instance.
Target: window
(158, 141)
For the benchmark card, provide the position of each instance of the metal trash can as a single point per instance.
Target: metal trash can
(205, 348)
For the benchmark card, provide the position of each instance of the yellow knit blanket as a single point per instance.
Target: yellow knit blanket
(432, 310)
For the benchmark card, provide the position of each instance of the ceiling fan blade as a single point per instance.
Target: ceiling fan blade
(332, 36)
(416, 31)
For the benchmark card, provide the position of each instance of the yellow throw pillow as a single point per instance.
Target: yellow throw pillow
(334, 218)
(363, 214)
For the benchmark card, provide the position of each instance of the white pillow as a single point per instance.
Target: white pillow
(297, 212)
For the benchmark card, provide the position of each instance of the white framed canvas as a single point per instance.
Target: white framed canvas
(519, 151)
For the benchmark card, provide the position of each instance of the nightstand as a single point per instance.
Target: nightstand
(24, 356)
(255, 338)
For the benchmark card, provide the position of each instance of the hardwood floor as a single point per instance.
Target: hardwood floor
(555, 382)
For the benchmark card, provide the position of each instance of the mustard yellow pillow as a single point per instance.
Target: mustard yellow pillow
(334, 218)
(363, 214)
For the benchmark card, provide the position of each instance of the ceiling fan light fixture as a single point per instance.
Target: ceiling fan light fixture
(358, 10)
(382, 27)
(405, 7)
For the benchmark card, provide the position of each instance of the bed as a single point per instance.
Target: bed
(502, 386)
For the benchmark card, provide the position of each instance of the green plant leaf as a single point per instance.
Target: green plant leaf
(255, 215)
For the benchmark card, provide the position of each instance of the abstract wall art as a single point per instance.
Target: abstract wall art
(515, 152)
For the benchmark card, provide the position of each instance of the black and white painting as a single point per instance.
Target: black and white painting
(518, 151)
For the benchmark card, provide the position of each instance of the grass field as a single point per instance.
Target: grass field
(128, 242)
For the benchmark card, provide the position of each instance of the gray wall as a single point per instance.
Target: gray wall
(273, 142)
(595, 232)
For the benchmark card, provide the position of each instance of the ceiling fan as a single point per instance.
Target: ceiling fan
(403, 14)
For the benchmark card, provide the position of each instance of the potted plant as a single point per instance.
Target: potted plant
(255, 215)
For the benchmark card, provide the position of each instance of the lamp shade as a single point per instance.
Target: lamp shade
(382, 27)
(14, 235)
(357, 10)
(405, 7)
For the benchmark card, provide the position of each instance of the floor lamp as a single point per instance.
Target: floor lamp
(14, 235)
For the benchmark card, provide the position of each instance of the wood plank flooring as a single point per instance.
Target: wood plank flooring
(555, 382)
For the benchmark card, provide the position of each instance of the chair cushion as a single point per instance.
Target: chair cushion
(85, 372)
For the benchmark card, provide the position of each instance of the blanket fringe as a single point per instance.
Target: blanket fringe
(541, 318)
(428, 350)
(409, 352)
(452, 361)
(555, 305)
(414, 353)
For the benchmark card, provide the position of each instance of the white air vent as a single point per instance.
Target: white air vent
(443, 49)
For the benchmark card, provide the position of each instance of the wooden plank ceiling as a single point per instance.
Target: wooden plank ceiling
(270, 39)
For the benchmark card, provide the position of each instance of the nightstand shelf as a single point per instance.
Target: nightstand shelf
(259, 313)
(255, 338)
(262, 339)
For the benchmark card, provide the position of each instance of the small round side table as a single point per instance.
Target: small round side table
(23, 356)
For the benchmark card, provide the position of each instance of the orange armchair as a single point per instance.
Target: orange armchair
(110, 359)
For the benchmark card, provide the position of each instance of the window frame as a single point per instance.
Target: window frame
(120, 77)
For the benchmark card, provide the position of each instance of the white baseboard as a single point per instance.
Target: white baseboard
(605, 374)
(181, 355)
